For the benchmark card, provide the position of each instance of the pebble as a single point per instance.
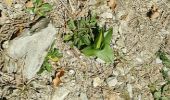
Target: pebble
(83, 96)
(71, 72)
(97, 82)
(111, 81)
(129, 89)
(158, 61)
(115, 73)
(106, 15)
(60, 94)
(18, 6)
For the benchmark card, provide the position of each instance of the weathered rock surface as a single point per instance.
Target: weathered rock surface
(31, 49)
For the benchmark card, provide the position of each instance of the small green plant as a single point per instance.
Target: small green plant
(163, 92)
(53, 56)
(91, 39)
(39, 8)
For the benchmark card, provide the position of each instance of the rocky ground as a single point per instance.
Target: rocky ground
(140, 29)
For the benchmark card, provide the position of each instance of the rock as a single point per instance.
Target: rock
(158, 61)
(92, 2)
(83, 96)
(97, 82)
(32, 49)
(116, 73)
(139, 60)
(111, 81)
(71, 72)
(129, 89)
(106, 15)
(60, 93)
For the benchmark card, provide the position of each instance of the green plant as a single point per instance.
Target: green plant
(53, 56)
(39, 8)
(91, 39)
(163, 92)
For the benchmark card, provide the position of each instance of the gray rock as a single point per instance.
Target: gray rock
(83, 96)
(60, 93)
(112, 81)
(32, 49)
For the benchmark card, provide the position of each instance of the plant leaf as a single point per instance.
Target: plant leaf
(157, 95)
(31, 10)
(90, 51)
(37, 2)
(46, 7)
(68, 37)
(71, 25)
(99, 40)
(106, 54)
(108, 36)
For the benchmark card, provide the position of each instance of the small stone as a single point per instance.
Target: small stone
(5, 45)
(18, 6)
(97, 82)
(129, 89)
(60, 94)
(115, 73)
(71, 72)
(139, 60)
(92, 2)
(83, 96)
(111, 81)
(158, 61)
(106, 15)
(124, 50)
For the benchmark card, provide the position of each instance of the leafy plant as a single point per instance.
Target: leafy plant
(163, 92)
(39, 7)
(91, 39)
(53, 55)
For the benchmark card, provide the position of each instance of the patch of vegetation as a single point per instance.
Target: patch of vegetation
(39, 8)
(91, 39)
(53, 56)
(163, 92)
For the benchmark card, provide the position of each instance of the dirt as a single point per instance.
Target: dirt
(137, 37)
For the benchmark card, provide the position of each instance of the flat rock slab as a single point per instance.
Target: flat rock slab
(32, 49)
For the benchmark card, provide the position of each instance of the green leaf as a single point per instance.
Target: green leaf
(90, 51)
(37, 2)
(46, 7)
(106, 54)
(99, 40)
(108, 36)
(71, 25)
(68, 37)
(162, 55)
(164, 98)
(31, 10)
(48, 66)
(157, 95)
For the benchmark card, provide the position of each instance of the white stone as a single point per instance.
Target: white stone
(158, 61)
(106, 15)
(97, 82)
(32, 49)
(71, 72)
(83, 96)
(112, 81)
(129, 89)
(116, 73)
(139, 60)
(18, 6)
(60, 93)
(92, 2)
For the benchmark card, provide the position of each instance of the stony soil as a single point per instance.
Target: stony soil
(136, 39)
